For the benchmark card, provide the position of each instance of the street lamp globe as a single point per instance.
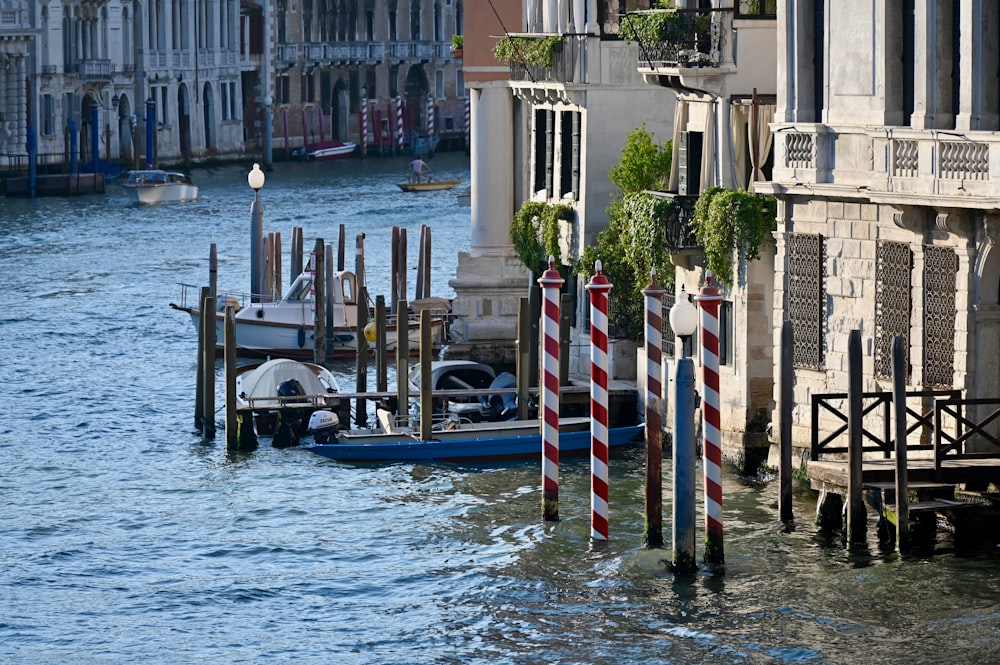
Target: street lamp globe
(255, 178)
(683, 316)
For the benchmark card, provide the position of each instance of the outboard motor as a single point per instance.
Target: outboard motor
(289, 425)
(323, 425)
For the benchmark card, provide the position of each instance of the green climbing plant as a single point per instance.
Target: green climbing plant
(534, 231)
(633, 243)
(732, 220)
(537, 51)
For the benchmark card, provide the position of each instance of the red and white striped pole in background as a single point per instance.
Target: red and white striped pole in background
(468, 122)
(399, 124)
(708, 302)
(430, 115)
(598, 288)
(364, 126)
(551, 282)
(653, 294)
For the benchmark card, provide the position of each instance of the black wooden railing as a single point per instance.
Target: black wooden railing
(956, 447)
(881, 441)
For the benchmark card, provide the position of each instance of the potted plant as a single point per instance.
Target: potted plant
(456, 46)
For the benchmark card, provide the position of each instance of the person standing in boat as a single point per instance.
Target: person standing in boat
(417, 169)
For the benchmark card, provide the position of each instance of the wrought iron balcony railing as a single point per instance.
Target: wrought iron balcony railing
(680, 38)
(567, 58)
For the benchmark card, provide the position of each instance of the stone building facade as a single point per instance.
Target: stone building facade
(886, 170)
(549, 134)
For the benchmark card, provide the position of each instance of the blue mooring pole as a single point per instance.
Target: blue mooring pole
(684, 491)
(74, 138)
(32, 158)
(150, 133)
(95, 133)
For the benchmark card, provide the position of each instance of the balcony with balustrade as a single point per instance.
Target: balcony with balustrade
(682, 48)
(897, 165)
(94, 70)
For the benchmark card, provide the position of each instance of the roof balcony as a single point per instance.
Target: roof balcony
(681, 48)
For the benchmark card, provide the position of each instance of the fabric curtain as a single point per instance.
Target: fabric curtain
(708, 156)
(680, 124)
(760, 140)
(738, 119)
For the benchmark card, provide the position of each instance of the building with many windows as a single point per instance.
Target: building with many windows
(886, 171)
(210, 74)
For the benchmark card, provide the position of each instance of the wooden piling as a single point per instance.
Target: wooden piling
(199, 385)
(213, 270)
(653, 324)
(401, 263)
(276, 285)
(418, 286)
(857, 513)
(785, 436)
(341, 241)
(208, 367)
(361, 358)
(359, 268)
(524, 351)
(229, 354)
(295, 267)
(402, 361)
(381, 355)
(903, 540)
(394, 267)
(426, 399)
(425, 254)
(319, 288)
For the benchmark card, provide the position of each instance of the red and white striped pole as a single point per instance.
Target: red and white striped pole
(399, 123)
(708, 302)
(653, 294)
(468, 123)
(364, 126)
(551, 282)
(430, 116)
(599, 366)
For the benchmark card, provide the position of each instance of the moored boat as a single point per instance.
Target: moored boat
(456, 441)
(428, 185)
(157, 186)
(286, 328)
(326, 150)
(282, 394)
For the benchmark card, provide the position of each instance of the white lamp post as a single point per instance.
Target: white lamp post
(684, 321)
(256, 181)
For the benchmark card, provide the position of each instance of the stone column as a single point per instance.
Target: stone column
(489, 279)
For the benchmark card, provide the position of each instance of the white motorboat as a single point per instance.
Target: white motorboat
(282, 394)
(286, 328)
(156, 186)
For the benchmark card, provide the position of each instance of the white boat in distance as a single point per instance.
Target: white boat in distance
(285, 328)
(156, 186)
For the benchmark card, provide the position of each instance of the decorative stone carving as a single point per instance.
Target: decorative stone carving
(911, 218)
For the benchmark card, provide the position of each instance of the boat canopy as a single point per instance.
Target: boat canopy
(263, 382)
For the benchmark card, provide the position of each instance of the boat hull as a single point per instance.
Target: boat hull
(263, 338)
(430, 186)
(170, 193)
(486, 448)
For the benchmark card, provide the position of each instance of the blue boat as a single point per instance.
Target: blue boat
(468, 442)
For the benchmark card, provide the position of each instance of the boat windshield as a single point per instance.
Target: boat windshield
(301, 289)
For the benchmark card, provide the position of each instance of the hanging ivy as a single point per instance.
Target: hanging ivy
(728, 220)
(537, 51)
(534, 230)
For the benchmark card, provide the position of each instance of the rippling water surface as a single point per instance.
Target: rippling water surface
(126, 537)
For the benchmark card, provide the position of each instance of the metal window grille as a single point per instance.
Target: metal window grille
(940, 266)
(893, 263)
(805, 297)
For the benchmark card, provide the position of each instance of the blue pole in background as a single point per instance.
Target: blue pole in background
(32, 158)
(150, 133)
(95, 133)
(684, 469)
(74, 137)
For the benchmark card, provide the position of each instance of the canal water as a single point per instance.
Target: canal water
(126, 537)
